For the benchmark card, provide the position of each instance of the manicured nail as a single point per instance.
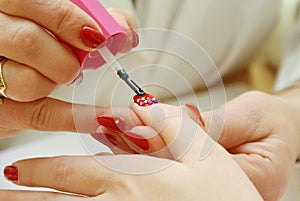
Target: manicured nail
(137, 140)
(11, 173)
(112, 139)
(145, 100)
(134, 38)
(196, 111)
(78, 80)
(114, 124)
(91, 37)
(102, 136)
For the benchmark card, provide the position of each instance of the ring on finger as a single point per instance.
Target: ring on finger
(2, 82)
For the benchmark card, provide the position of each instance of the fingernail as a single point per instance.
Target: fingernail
(102, 136)
(134, 38)
(196, 111)
(11, 173)
(137, 140)
(145, 100)
(78, 80)
(91, 37)
(114, 124)
(112, 139)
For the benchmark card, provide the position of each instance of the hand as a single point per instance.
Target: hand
(37, 62)
(188, 178)
(123, 132)
(262, 135)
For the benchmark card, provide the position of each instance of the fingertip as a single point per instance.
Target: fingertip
(11, 173)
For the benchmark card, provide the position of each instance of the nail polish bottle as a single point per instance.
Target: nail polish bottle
(115, 36)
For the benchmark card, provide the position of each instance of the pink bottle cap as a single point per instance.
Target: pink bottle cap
(115, 36)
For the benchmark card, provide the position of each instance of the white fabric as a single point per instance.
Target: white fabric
(290, 67)
(231, 31)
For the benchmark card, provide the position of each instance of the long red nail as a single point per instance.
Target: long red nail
(197, 112)
(101, 137)
(112, 139)
(11, 173)
(91, 37)
(114, 124)
(137, 140)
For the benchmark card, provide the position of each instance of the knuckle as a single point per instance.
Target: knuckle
(29, 82)
(61, 173)
(63, 17)
(41, 115)
(68, 75)
(26, 37)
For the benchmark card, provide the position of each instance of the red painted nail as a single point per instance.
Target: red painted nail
(114, 124)
(145, 100)
(196, 110)
(91, 37)
(137, 140)
(135, 38)
(11, 173)
(102, 137)
(112, 139)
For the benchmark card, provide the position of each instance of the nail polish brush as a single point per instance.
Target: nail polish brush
(115, 38)
(111, 60)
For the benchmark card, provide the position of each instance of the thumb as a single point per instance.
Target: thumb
(183, 136)
(234, 123)
(49, 114)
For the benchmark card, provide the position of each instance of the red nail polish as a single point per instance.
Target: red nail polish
(91, 37)
(137, 140)
(114, 124)
(145, 100)
(135, 38)
(112, 139)
(11, 173)
(196, 110)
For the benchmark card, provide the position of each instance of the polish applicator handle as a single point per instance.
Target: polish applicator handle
(114, 34)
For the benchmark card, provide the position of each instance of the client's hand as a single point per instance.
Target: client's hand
(36, 62)
(139, 177)
(262, 134)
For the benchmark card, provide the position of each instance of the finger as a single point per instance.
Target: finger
(80, 175)
(49, 115)
(24, 83)
(145, 140)
(113, 141)
(112, 124)
(182, 135)
(124, 18)
(29, 44)
(241, 124)
(37, 196)
(62, 18)
(129, 23)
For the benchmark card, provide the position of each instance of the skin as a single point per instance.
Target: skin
(261, 132)
(27, 41)
(188, 178)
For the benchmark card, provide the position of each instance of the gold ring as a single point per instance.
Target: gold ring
(2, 82)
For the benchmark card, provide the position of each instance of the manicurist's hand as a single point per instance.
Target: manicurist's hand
(139, 177)
(34, 61)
